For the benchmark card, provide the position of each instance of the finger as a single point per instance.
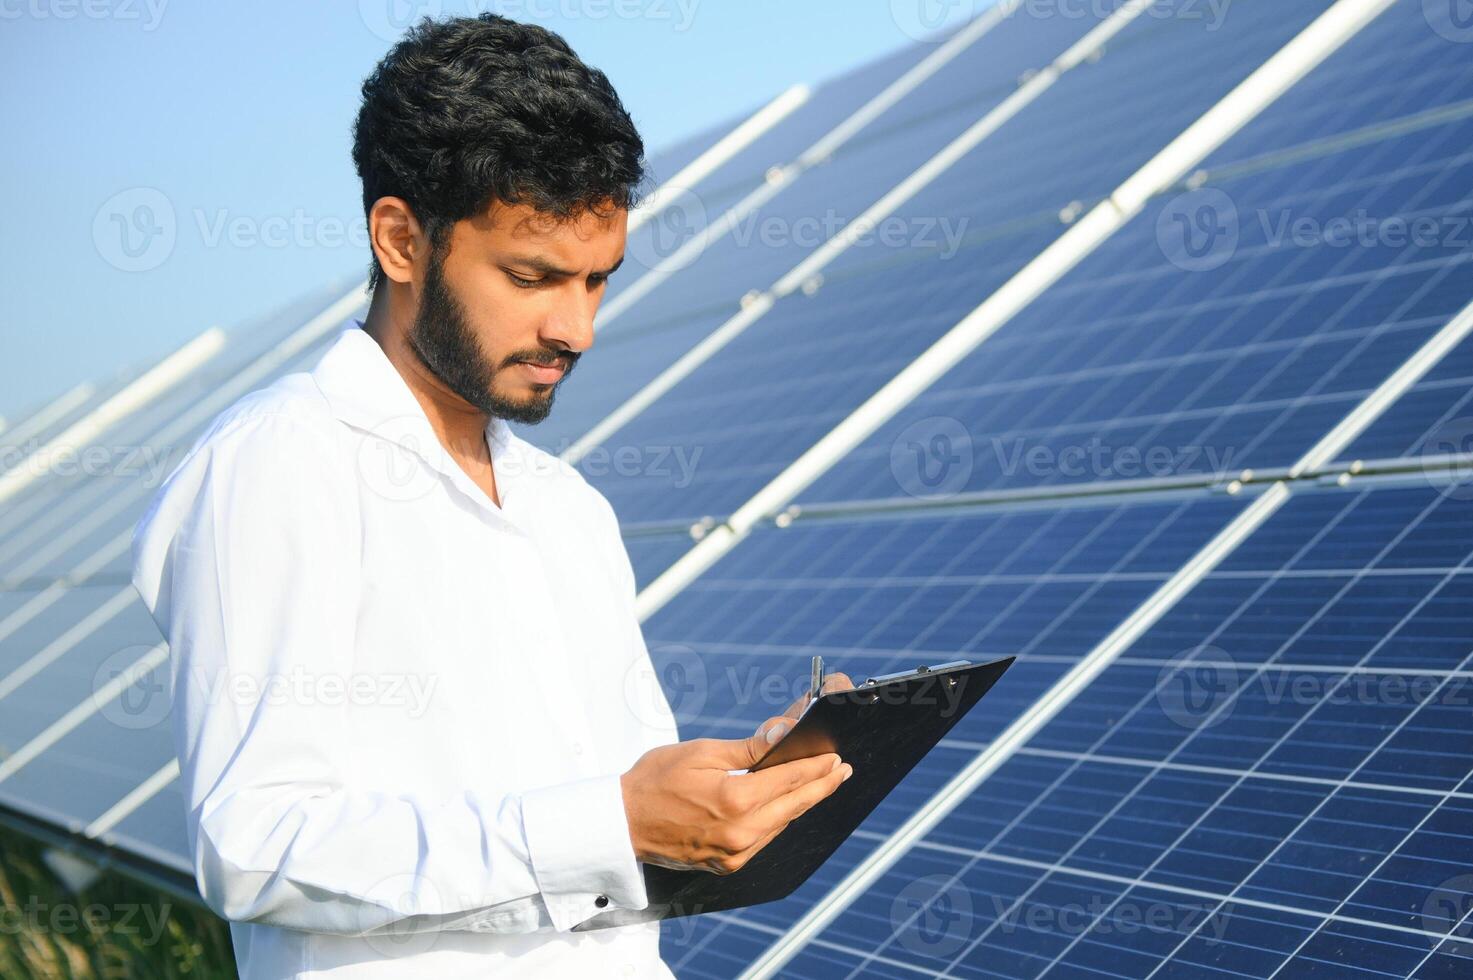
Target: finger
(768, 784)
(837, 682)
(792, 805)
(773, 729)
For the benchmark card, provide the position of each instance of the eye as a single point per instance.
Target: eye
(521, 283)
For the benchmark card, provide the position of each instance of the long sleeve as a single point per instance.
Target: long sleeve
(250, 561)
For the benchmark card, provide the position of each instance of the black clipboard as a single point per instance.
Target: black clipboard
(883, 727)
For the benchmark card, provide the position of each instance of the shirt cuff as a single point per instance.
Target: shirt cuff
(578, 838)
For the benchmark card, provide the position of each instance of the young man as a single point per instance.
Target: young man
(403, 640)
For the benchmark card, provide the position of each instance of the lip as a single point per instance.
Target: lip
(543, 374)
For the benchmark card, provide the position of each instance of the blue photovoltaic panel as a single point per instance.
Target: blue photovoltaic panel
(1274, 781)
(829, 104)
(1148, 361)
(107, 755)
(798, 371)
(59, 640)
(651, 554)
(659, 328)
(770, 242)
(1434, 418)
(82, 518)
(79, 483)
(157, 829)
(876, 595)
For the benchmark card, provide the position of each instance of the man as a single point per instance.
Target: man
(405, 657)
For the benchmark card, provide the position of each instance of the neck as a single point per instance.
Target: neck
(460, 426)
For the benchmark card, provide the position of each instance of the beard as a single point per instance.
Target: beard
(442, 338)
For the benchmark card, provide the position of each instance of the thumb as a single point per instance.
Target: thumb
(768, 734)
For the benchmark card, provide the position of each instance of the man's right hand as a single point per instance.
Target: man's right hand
(687, 812)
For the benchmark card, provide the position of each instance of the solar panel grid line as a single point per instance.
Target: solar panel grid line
(57, 544)
(139, 795)
(1089, 669)
(59, 647)
(1390, 735)
(33, 422)
(1405, 376)
(301, 341)
(1048, 868)
(885, 583)
(1322, 453)
(1367, 283)
(1092, 44)
(784, 175)
(1044, 869)
(1223, 121)
(139, 392)
(312, 332)
(1092, 758)
(1329, 145)
(84, 709)
(95, 493)
(1295, 60)
(1120, 804)
(721, 152)
(853, 231)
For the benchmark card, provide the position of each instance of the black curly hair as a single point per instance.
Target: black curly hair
(469, 110)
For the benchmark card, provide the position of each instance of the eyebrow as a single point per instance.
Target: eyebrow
(539, 264)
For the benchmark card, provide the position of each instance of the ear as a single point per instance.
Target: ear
(396, 237)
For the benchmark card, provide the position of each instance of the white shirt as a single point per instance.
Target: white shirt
(400, 711)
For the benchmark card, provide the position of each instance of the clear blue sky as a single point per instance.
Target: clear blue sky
(240, 112)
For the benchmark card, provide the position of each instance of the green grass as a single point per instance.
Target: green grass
(115, 929)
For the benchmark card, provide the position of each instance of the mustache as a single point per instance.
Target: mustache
(545, 358)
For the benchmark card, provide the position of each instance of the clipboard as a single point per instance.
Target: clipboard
(883, 727)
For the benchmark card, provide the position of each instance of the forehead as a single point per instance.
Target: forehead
(591, 232)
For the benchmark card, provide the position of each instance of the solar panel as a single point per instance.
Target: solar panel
(1276, 777)
(68, 612)
(1430, 421)
(798, 371)
(707, 199)
(882, 593)
(866, 156)
(1146, 363)
(1211, 804)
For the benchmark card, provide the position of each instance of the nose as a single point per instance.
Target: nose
(570, 324)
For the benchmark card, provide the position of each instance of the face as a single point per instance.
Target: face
(505, 315)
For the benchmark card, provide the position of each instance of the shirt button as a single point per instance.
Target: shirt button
(628, 969)
(577, 748)
(602, 901)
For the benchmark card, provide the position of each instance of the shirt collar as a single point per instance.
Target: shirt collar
(366, 391)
